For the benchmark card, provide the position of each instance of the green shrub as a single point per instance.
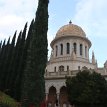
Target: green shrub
(7, 101)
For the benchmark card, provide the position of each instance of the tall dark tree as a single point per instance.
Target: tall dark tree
(18, 63)
(6, 63)
(15, 58)
(13, 40)
(87, 88)
(29, 35)
(10, 57)
(13, 67)
(33, 87)
(2, 64)
(21, 67)
(0, 46)
(23, 62)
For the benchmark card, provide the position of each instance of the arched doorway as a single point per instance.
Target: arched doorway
(52, 96)
(63, 100)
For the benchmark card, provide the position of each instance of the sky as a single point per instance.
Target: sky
(90, 15)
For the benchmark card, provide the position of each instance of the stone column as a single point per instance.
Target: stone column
(58, 100)
(46, 97)
(88, 53)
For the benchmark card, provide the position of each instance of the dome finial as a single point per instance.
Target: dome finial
(70, 22)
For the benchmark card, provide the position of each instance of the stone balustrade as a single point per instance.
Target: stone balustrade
(60, 74)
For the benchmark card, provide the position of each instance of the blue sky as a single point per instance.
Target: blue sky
(89, 14)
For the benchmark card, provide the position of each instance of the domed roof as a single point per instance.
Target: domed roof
(70, 30)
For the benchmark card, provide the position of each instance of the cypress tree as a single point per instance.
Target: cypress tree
(29, 36)
(10, 57)
(5, 64)
(13, 40)
(20, 66)
(13, 67)
(2, 61)
(23, 63)
(33, 86)
(0, 46)
(17, 62)
(0, 55)
(0, 50)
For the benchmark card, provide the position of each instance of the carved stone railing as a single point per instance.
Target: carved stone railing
(63, 74)
(60, 74)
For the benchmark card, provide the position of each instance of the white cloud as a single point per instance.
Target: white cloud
(90, 14)
(10, 20)
(14, 14)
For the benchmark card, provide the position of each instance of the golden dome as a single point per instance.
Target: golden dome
(70, 30)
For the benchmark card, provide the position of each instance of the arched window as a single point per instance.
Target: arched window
(78, 67)
(54, 69)
(68, 48)
(61, 68)
(75, 47)
(45, 70)
(85, 51)
(56, 50)
(51, 96)
(63, 95)
(81, 49)
(61, 45)
(67, 68)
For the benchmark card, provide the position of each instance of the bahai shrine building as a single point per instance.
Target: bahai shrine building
(70, 53)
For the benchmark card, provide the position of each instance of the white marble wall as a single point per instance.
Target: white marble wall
(71, 40)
